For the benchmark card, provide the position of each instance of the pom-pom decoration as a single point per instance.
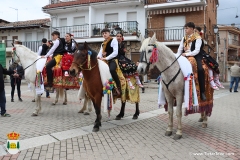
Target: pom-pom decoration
(108, 86)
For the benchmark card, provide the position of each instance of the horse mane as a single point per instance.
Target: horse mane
(161, 46)
(94, 53)
(25, 49)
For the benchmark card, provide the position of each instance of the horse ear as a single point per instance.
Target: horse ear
(153, 39)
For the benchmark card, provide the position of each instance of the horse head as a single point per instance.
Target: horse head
(146, 52)
(82, 59)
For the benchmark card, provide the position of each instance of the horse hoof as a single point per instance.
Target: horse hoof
(204, 125)
(168, 133)
(86, 113)
(33, 100)
(135, 117)
(53, 103)
(80, 111)
(200, 120)
(95, 129)
(118, 118)
(64, 103)
(177, 137)
(34, 114)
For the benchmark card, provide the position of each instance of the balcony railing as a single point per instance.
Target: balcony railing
(33, 45)
(147, 2)
(167, 34)
(234, 42)
(127, 28)
(78, 31)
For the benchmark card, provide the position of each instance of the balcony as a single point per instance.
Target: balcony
(33, 45)
(233, 43)
(78, 31)
(167, 34)
(128, 28)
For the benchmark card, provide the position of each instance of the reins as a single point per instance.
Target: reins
(88, 69)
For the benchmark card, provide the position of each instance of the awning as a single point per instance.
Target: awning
(176, 10)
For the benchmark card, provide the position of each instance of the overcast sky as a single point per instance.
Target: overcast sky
(32, 9)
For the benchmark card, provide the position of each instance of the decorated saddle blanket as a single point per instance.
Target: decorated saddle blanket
(190, 93)
(61, 78)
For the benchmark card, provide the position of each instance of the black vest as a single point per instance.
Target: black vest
(44, 50)
(199, 55)
(109, 49)
(60, 49)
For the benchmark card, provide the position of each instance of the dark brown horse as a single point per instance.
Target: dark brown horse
(92, 82)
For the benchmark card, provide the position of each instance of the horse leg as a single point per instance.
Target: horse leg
(201, 118)
(57, 96)
(97, 107)
(121, 114)
(89, 105)
(65, 97)
(84, 104)
(170, 117)
(204, 123)
(38, 107)
(179, 101)
(34, 92)
(135, 116)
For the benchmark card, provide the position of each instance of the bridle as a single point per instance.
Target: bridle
(89, 67)
(15, 54)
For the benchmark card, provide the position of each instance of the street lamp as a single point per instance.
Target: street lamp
(215, 29)
(17, 12)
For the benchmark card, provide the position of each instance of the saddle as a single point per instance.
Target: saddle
(59, 79)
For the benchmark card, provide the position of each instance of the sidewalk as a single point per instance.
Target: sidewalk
(59, 132)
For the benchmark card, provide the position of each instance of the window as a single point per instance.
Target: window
(111, 17)
(63, 22)
(79, 20)
(174, 27)
(28, 37)
(131, 24)
(4, 37)
(40, 36)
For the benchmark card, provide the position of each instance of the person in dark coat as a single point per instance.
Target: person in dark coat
(16, 80)
(2, 91)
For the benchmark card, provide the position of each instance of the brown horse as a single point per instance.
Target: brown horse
(92, 82)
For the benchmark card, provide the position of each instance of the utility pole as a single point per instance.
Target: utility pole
(224, 60)
(15, 10)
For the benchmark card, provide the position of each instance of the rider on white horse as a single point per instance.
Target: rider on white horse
(55, 52)
(191, 45)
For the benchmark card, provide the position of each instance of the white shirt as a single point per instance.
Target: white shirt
(190, 53)
(54, 47)
(39, 50)
(114, 54)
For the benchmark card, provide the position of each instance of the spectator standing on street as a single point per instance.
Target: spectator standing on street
(2, 91)
(42, 50)
(235, 74)
(16, 80)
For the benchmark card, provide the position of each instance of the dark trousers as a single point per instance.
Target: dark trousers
(113, 66)
(49, 67)
(201, 76)
(2, 102)
(16, 82)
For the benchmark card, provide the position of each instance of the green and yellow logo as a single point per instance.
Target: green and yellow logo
(13, 142)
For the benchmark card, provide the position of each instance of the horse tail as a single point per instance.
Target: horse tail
(61, 92)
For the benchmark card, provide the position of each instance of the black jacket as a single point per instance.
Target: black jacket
(19, 69)
(2, 72)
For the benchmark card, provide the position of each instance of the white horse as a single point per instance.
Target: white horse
(175, 88)
(28, 59)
